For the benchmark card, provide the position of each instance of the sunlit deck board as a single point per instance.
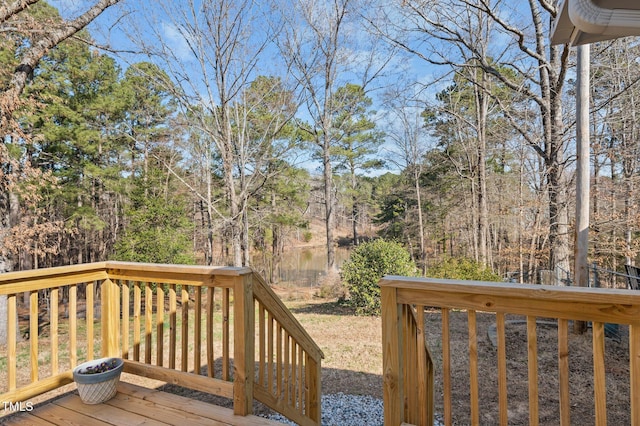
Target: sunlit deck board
(134, 405)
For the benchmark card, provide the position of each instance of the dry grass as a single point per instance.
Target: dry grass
(352, 346)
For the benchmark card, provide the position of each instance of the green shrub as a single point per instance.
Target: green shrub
(462, 269)
(368, 263)
(307, 236)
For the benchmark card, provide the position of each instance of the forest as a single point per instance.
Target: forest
(217, 132)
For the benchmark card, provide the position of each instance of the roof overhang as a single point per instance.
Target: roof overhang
(588, 21)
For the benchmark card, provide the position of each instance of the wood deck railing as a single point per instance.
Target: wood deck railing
(216, 330)
(405, 299)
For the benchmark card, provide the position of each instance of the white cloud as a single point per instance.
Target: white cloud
(177, 42)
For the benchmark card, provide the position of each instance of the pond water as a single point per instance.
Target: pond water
(301, 267)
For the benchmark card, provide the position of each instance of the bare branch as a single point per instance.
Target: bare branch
(9, 10)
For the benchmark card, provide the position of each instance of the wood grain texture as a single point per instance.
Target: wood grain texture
(391, 361)
(599, 376)
(563, 372)
(574, 303)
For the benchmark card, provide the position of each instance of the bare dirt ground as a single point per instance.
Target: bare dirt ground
(580, 365)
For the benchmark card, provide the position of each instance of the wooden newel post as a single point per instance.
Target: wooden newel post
(110, 313)
(314, 395)
(393, 389)
(243, 345)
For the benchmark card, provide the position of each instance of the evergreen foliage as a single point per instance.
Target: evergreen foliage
(159, 230)
(368, 263)
(462, 269)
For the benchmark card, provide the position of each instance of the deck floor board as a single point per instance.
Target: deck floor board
(134, 405)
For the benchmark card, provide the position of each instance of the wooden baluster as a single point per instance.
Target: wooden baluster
(408, 339)
(261, 345)
(124, 290)
(12, 341)
(473, 367)
(634, 372)
(294, 372)
(197, 330)
(73, 325)
(33, 334)
(599, 375)
(137, 308)
(148, 322)
(300, 380)
(446, 367)
(173, 325)
(53, 330)
(185, 327)
(279, 361)
(285, 366)
(89, 316)
(532, 345)
(225, 334)
(412, 363)
(159, 324)
(210, 347)
(425, 398)
(563, 372)
(270, 325)
(502, 369)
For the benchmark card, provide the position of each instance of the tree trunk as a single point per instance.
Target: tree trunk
(9, 99)
(483, 212)
(423, 251)
(328, 204)
(8, 210)
(354, 207)
(558, 199)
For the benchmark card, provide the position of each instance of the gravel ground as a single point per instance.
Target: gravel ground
(347, 410)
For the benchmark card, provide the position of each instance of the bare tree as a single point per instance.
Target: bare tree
(523, 61)
(616, 152)
(410, 144)
(324, 50)
(212, 51)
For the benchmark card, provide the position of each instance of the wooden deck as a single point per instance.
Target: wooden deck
(219, 330)
(133, 405)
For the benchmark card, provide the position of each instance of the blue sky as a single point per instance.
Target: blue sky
(111, 29)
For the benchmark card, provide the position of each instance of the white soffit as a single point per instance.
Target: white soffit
(589, 21)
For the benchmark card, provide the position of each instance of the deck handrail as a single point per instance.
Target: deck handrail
(163, 320)
(298, 395)
(598, 306)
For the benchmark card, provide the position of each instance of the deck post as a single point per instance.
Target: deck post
(392, 368)
(634, 370)
(110, 314)
(243, 345)
(314, 374)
